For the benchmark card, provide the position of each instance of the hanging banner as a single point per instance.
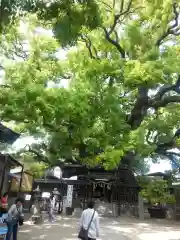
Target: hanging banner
(26, 184)
(69, 196)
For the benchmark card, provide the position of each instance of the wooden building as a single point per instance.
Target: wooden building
(6, 161)
(6, 164)
(117, 186)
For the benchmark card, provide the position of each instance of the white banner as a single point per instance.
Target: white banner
(69, 195)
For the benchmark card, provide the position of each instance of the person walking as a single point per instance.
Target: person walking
(15, 218)
(51, 204)
(89, 223)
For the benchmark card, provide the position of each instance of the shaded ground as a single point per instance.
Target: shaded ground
(111, 229)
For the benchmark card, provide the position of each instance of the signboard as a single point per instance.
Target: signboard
(69, 196)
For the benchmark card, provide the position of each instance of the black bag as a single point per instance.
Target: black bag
(20, 220)
(83, 233)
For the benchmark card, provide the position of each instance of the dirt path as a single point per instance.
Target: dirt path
(111, 229)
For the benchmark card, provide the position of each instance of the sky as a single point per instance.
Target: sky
(162, 166)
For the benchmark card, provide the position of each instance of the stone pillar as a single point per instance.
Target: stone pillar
(114, 209)
(64, 204)
(141, 207)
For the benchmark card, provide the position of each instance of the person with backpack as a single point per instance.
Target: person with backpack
(89, 223)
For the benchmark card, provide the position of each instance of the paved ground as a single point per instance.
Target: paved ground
(111, 229)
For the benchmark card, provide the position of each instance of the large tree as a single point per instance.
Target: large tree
(123, 77)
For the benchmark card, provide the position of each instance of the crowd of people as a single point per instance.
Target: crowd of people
(13, 216)
(88, 227)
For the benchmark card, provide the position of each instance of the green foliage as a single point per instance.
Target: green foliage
(156, 191)
(143, 181)
(118, 56)
(37, 169)
(31, 165)
(66, 17)
(66, 27)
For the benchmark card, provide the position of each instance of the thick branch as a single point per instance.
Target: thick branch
(143, 103)
(163, 102)
(162, 148)
(140, 109)
(167, 88)
(41, 157)
(115, 43)
(5, 86)
(173, 153)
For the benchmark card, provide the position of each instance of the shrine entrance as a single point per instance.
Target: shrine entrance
(101, 190)
(114, 192)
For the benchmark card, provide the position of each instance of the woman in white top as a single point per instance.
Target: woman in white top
(86, 217)
(51, 204)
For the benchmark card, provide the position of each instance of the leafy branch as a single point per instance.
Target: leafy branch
(156, 191)
(92, 50)
(41, 157)
(172, 29)
(123, 11)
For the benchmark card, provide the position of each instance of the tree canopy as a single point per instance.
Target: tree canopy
(120, 63)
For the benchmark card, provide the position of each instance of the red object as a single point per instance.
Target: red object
(4, 201)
